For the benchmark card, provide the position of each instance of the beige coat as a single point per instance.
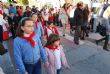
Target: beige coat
(63, 16)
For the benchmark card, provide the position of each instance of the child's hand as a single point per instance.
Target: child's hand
(68, 67)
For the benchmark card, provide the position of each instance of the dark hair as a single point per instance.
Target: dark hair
(4, 15)
(22, 22)
(11, 4)
(39, 16)
(51, 9)
(64, 6)
(1, 1)
(33, 6)
(86, 6)
(49, 22)
(79, 4)
(21, 7)
(52, 38)
(17, 7)
(27, 7)
(33, 14)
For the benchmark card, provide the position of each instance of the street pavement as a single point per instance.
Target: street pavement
(85, 58)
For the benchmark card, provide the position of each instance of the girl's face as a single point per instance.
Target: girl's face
(56, 43)
(51, 25)
(28, 28)
(70, 7)
(11, 14)
(81, 7)
(34, 18)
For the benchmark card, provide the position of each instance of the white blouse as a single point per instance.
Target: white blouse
(57, 54)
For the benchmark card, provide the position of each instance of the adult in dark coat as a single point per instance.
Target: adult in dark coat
(28, 12)
(78, 21)
(13, 23)
(85, 22)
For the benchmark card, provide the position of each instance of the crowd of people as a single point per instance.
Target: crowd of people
(36, 38)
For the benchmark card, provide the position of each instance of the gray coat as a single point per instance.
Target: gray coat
(63, 16)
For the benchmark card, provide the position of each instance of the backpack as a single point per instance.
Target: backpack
(101, 29)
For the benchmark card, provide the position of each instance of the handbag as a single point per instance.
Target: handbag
(2, 49)
(5, 35)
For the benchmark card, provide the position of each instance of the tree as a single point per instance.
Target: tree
(12, 1)
(25, 2)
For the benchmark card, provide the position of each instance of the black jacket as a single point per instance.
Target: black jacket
(27, 14)
(78, 17)
(13, 22)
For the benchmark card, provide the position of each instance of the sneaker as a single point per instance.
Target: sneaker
(6, 50)
(82, 38)
(77, 43)
(96, 42)
(70, 32)
(64, 35)
(87, 35)
(106, 49)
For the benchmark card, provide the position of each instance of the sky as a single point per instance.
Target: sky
(4, 0)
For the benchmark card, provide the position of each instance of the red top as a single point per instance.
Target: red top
(32, 42)
(1, 12)
(50, 47)
(20, 11)
(51, 18)
(53, 29)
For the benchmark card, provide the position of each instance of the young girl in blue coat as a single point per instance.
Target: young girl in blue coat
(38, 28)
(28, 50)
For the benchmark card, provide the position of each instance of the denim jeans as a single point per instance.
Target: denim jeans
(33, 68)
